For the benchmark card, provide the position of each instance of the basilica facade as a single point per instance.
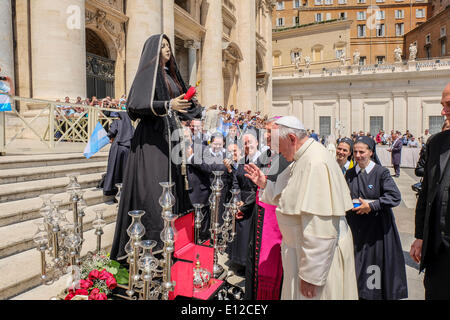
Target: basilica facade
(91, 48)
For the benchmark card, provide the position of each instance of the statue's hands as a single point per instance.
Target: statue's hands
(179, 104)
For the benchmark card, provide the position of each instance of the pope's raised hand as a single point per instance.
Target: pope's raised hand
(255, 175)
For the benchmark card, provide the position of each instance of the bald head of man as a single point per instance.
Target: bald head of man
(446, 102)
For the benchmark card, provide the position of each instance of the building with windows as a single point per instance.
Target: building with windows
(324, 43)
(430, 37)
(377, 28)
(402, 96)
(93, 47)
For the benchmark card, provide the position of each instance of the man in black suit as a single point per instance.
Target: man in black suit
(202, 162)
(396, 150)
(432, 247)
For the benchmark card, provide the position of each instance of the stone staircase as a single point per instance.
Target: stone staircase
(22, 180)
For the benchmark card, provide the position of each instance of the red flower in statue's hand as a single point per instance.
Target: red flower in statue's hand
(81, 292)
(86, 284)
(111, 283)
(94, 274)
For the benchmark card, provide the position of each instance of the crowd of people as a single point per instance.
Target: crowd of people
(75, 112)
(314, 222)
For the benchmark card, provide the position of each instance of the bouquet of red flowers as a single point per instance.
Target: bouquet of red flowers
(97, 286)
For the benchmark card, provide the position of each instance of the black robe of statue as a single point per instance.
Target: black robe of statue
(122, 132)
(271, 165)
(148, 162)
(375, 236)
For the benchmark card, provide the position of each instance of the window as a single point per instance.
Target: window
(361, 30)
(380, 59)
(342, 1)
(378, 1)
(362, 60)
(277, 60)
(428, 52)
(399, 14)
(435, 124)
(318, 17)
(297, 4)
(428, 39)
(361, 15)
(280, 5)
(361, 1)
(381, 32)
(296, 21)
(294, 54)
(328, 2)
(339, 52)
(443, 51)
(399, 29)
(325, 126)
(343, 15)
(317, 53)
(379, 15)
(420, 13)
(280, 22)
(376, 124)
(328, 16)
(318, 2)
(443, 32)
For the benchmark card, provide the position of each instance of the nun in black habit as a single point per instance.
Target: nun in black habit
(380, 264)
(156, 98)
(120, 133)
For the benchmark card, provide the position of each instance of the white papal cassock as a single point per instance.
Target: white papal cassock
(312, 198)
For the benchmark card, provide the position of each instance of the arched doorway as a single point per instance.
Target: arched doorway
(100, 68)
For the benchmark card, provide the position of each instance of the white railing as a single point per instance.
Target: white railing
(58, 126)
(405, 66)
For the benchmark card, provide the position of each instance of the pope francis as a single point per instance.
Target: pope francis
(312, 198)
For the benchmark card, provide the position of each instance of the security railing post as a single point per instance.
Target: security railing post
(51, 130)
(2, 133)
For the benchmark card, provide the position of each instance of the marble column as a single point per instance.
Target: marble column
(192, 47)
(6, 40)
(58, 46)
(169, 20)
(267, 29)
(212, 75)
(145, 20)
(246, 30)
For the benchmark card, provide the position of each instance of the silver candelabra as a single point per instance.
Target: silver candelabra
(150, 278)
(59, 240)
(223, 234)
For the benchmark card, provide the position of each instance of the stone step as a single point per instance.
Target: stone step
(28, 209)
(32, 189)
(42, 160)
(57, 171)
(45, 292)
(18, 237)
(21, 272)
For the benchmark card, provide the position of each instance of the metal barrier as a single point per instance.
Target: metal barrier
(60, 126)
